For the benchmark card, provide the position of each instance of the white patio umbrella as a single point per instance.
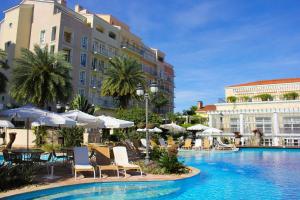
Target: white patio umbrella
(84, 119)
(173, 127)
(6, 124)
(153, 130)
(111, 122)
(212, 131)
(25, 113)
(54, 120)
(197, 127)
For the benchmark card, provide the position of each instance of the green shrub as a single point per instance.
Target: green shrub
(41, 134)
(73, 137)
(156, 153)
(170, 164)
(50, 147)
(13, 176)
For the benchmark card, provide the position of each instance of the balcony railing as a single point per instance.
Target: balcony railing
(145, 53)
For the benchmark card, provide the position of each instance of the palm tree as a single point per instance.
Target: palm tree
(159, 100)
(81, 103)
(3, 65)
(122, 78)
(40, 77)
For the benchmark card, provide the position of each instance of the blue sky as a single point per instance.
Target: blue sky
(212, 43)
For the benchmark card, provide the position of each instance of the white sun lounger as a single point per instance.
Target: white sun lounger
(198, 144)
(221, 145)
(162, 142)
(81, 161)
(121, 160)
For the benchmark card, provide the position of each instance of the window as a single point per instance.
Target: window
(93, 82)
(102, 48)
(83, 59)
(67, 53)
(267, 142)
(95, 46)
(43, 37)
(112, 35)
(52, 49)
(81, 92)
(82, 77)
(53, 34)
(101, 65)
(94, 64)
(291, 124)
(234, 124)
(68, 37)
(264, 124)
(84, 43)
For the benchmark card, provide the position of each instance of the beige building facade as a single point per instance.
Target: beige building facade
(278, 120)
(89, 41)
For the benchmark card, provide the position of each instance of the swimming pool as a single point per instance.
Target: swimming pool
(247, 174)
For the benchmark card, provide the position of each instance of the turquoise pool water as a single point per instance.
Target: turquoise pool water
(247, 174)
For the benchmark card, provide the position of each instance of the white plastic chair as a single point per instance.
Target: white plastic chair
(144, 142)
(121, 160)
(81, 161)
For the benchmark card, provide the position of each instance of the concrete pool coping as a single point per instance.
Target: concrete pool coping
(70, 181)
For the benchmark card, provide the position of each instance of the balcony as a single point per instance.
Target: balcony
(144, 52)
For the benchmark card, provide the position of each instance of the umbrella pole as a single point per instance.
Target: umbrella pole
(27, 121)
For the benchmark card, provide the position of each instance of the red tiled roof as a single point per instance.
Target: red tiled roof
(207, 108)
(267, 82)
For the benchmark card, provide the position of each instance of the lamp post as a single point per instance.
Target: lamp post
(140, 92)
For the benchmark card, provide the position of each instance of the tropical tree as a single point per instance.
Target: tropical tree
(245, 98)
(231, 99)
(41, 78)
(191, 111)
(79, 102)
(3, 65)
(265, 97)
(291, 96)
(121, 79)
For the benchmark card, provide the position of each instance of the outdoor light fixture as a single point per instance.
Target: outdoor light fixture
(58, 106)
(140, 92)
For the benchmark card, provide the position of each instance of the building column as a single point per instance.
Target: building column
(276, 129)
(210, 120)
(241, 124)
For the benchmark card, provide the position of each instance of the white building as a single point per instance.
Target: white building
(278, 119)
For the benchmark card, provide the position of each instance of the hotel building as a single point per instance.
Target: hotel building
(89, 41)
(277, 118)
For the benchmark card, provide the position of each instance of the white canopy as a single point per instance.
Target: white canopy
(84, 119)
(212, 131)
(6, 124)
(27, 112)
(197, 127)
(111, 122)
(154, 130)
(54, 120)
(173, 127)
